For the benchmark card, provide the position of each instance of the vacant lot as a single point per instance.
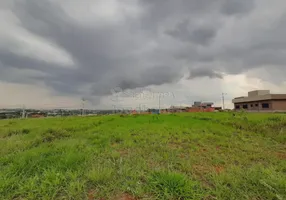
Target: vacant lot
(176, 156)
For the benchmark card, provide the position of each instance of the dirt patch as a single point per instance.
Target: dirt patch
(174, 145)
(126, 197)
(281, 156)
(201, 149)
(91, 194)
(201, 169)
(199, 172)
(122, 152)
(219, 169)
(152, 164)
(182, 155)
(210, 197)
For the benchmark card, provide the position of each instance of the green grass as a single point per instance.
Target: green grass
(177, 156)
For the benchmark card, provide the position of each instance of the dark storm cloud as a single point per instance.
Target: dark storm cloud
(9, 58)
(233, 7)
(204, 72)
(160, 12)
(97, 52)
(146, 48)
(199, 35)
(203, 35)
(93, 49)
(156, 76)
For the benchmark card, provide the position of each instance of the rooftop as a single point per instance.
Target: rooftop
(178, 107)
(259, 95)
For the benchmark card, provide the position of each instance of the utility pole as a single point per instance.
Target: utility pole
(144, 108)
(159, 103)
(222, 95)
(82, 113)
(23, 112)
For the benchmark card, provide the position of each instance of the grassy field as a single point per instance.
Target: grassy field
(177, 156)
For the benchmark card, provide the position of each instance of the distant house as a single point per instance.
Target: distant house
(261, 100)
(37, 115)
(178, 109)
(199, 104)
(218, 108)
(207, 105)
(134, 112)
(153, 111)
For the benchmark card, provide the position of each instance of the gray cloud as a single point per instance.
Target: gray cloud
(75, 49)
(187, 33)
(233, 7)
(156, 76)
(203, 35)
(204, 72)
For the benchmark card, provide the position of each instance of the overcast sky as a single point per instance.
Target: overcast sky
(125, 53)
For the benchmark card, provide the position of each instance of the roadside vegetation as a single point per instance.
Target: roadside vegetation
(176, 156)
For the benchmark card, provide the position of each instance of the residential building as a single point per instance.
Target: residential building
(177, 109)
(199, 104)
(261, 100)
